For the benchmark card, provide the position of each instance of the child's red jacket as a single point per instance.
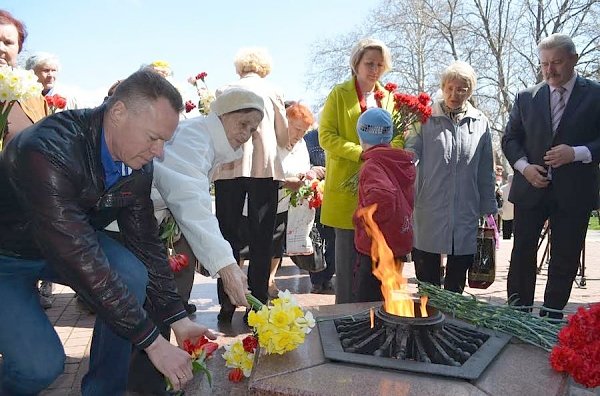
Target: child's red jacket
(387, 178)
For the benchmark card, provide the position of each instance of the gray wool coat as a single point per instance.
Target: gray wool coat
(455, 181)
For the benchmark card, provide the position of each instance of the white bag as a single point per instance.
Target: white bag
(299, 224)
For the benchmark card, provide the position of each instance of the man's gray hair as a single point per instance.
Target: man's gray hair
(41, 58)
(558, 40)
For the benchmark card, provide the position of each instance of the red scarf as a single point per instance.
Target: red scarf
(361, 98)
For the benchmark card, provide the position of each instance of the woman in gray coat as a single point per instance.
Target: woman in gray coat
(455, 181)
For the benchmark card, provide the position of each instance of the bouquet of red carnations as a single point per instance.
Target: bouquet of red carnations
(408, 109)
(578, 350)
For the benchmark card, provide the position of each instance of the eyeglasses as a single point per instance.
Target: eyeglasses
(457, 91)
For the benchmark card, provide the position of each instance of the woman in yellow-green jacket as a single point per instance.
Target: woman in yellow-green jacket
(369, 60)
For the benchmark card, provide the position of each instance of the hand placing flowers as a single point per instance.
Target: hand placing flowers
(200, 351)
(310, 189)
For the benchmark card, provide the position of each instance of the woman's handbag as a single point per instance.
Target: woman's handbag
(314, 262)
(483, 270)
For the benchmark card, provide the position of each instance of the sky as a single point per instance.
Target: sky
(99, 42)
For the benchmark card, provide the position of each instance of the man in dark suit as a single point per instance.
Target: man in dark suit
(552, 140)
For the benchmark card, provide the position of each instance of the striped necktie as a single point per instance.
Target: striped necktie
(558, 106)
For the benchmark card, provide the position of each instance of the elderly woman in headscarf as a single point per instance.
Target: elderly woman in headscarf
(455, 181)
(181, 184)
(256, 176)
(369, 60)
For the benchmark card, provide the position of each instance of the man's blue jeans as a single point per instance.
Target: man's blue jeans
(33, 356)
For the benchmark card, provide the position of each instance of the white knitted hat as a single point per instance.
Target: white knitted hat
(233, 99)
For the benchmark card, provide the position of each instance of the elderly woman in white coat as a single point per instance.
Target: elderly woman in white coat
(455, 181)
(255, 177)
(181, 184)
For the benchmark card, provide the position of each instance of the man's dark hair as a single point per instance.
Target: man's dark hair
(144, 86)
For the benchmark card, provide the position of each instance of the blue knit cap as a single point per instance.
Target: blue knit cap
(374, 126)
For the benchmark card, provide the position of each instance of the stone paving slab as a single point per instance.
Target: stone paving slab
(73, 322)
(305, 371)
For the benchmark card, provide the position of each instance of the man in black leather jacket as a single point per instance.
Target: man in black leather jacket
(62, 181)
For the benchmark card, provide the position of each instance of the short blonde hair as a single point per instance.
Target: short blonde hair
(253, 60)
(370, 43)
(459, 70)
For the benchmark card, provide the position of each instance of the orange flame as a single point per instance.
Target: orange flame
(388, 270)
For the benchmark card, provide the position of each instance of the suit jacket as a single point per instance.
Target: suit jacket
(529, 134)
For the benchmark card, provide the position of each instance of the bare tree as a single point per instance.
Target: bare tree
(497, 37)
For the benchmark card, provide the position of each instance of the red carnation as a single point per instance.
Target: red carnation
(315, 202)
(189, 106)
(578, 350)
(49, 100)
(379, 95)
(424, 99)
(236, 375)
(60, 102)
(391, 87)
(250, 343)
(201, 76)
(177, 262)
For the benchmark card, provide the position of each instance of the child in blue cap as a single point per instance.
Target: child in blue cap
(386, 179)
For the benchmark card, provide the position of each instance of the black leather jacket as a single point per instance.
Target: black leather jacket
(52, 202)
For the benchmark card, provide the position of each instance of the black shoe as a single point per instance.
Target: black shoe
(317, 288)
(552, 315)
(46, 288)
(225, 315)
(45, 301)
(190, 308)
(328, 288)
